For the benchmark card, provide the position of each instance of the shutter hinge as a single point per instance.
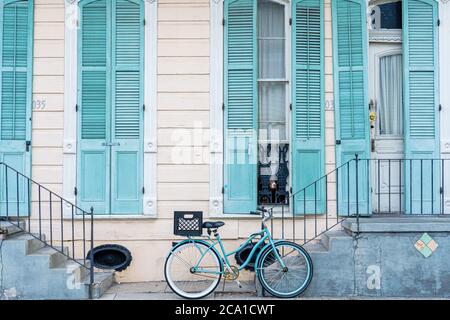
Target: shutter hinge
(439, 22)
(143, 190)
(290, 190)
(144, 22)
(143, 107)
(76, 107)
(290, 106)
(440, 107)
(27, 145)
(441, 190)
(75, 191)
(290, 21)
(338, 141)
(223, 106)
(223, 22)
(223, 190)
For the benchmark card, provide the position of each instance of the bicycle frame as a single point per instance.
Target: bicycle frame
(264, 234)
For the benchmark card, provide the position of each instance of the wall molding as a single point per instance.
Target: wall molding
(216, 112)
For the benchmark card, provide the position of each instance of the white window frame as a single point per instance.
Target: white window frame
(70, 114)
(216, 197)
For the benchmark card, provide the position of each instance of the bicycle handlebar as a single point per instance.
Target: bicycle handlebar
(261, 211)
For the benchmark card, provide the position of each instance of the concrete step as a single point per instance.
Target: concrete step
(335, 237)
(49, 255)
(8, 228)
(30, 243)
(102, 282)
(315, 248)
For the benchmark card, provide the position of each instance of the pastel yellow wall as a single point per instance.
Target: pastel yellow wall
(183, 103)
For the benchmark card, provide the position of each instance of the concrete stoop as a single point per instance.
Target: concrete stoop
(31, 270)
(380, 261)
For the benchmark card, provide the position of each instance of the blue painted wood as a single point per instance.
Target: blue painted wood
(94, 72)
(16, 60)
(351, 101)
(111, 58)
(241, 105)
(421, 95)
(127, 117)
(308, 116)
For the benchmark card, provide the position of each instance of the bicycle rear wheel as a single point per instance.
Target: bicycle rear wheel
(181, 275)
(285, 282)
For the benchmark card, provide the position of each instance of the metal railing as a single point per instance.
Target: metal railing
(53, 220)
(358, 188)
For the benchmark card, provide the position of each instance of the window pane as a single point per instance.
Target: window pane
(271, 35)
(272, 113)
(391, 90)
(387, 16)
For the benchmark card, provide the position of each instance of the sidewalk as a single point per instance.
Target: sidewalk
(160, 291)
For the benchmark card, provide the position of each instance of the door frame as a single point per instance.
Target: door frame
(70, 150)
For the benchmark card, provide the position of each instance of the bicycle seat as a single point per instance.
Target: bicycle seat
(213, 224)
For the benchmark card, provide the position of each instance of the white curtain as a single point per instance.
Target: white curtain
(271, 69)
(391, 95)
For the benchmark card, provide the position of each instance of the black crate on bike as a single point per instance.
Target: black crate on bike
(188, 223)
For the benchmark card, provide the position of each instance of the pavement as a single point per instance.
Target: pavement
(229, 291)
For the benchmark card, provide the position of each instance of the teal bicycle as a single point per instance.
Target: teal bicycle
(195, 266)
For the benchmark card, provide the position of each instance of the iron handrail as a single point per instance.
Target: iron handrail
(354, 196)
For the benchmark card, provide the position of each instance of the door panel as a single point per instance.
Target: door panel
(308, 115)
(16, 39)
(127, 111)
(241, 102)
(94, 155)
(351, 101)
(420, 33)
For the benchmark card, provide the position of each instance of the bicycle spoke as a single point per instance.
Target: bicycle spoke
(289, 279)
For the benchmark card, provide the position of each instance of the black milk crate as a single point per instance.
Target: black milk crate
(188, 223)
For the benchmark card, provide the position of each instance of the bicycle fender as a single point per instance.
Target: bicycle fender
(261, 251)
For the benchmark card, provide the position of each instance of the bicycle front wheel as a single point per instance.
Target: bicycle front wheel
(286, 281)
(193, 270)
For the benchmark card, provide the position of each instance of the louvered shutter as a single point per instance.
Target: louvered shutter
(308, 106)
(94, 90)
(240, 180)
(16, 42)
(421, 104)
(127, 106)
(351, 101)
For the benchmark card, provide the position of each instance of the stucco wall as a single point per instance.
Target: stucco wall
(183, 106)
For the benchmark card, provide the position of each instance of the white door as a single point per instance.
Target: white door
(387, 142)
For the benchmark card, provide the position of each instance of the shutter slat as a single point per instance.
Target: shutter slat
(128, 47)
(94, 82)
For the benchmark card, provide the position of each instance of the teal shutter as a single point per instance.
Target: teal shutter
(421, 104)
(94, 104)
(111, 106)
(240, 180)
(308, 111)
(351, 101)
(127, 106)
(16, 56)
